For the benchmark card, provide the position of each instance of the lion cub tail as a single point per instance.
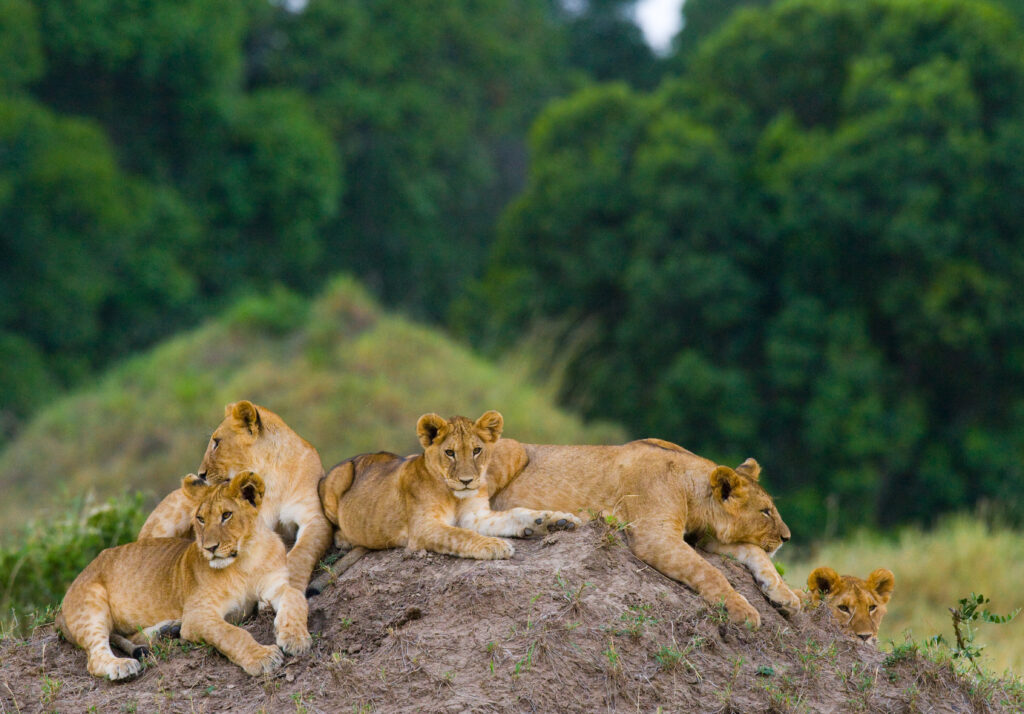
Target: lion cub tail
(333, 486)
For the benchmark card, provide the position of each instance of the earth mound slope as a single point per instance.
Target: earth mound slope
(573, 622)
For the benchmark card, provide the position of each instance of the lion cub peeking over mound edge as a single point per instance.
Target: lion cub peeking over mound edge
(436, 500)
(668, 497)
(234, 560)
(857, 605)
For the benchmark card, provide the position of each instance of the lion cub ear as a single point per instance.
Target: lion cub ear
(249, 487)
(883, 582)
(246, 416)
(724, 482)
(750, 468)
(823, 581)
(194, 487)
(430, 427)
(489, 426)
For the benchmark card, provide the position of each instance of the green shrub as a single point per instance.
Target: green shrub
(36, 569)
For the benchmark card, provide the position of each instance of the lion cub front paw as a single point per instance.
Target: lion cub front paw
(494, 549)
(119, 668)
(295, 641)
(550, 521)
(784, 599)
(265, 659)
(741, 611)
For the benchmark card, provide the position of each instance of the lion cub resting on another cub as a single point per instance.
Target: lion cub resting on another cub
(234, 561)
(436, 500)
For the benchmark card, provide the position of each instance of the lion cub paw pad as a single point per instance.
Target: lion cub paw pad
(499, 550)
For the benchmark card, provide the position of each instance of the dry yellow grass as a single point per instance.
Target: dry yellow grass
(933, 570)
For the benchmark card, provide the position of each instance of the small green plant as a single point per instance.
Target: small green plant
(668, 657)
(524, 664)
(346, 622)
(636, 618)
(718, 614)
(615, 527)
(50, 688)
(966, 618)
(300, 704)
(612, 655)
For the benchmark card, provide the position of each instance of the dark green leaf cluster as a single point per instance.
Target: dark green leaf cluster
(806, 248)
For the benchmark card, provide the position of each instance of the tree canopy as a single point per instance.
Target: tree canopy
(806, 248)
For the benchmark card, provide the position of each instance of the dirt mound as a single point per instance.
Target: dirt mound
(574, 622)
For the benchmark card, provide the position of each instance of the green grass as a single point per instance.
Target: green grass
(933, 570)
(345, 374)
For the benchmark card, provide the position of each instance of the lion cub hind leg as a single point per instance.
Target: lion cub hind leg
(87, 623)
(763, 569)
(515, 522)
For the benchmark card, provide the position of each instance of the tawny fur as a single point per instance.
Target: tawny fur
(434, 501)
(253, 438)
(234, 561)
(664, 494)
(857, 605)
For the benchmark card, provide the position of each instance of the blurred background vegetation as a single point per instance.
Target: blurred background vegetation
(795, 234)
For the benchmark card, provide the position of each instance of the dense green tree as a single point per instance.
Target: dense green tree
(702, 18)
(606, 43)
(821, 270)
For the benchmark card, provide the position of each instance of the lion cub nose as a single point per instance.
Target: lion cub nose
(785, 539)
(213, 548)
(864, 636)
(466, 481)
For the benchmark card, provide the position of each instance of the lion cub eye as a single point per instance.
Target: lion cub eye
(844, 608)
(872, 608)
(201, 520)
(767, 512)
(216, 443)
(225, 516)
(476, 451)
(450, 453)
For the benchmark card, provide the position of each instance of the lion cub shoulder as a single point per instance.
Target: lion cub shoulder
(436, 500)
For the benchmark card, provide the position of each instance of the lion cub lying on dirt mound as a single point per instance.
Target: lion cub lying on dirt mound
(234, 561)
(857, 605)
(663, 493)
(436, 500)
(253, 438)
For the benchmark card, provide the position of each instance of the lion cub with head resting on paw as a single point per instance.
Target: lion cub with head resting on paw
(436, 500)
(234, 561)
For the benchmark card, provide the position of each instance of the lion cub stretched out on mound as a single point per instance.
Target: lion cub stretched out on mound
(436, 500)
(253, 438)
(666, 496)
(857, 605)
(234, 561)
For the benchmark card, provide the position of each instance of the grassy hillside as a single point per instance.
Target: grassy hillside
(933, 570)
(345, 374)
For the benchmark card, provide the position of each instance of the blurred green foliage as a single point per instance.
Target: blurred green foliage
(806, 248)
(159, 159)
(36, 569)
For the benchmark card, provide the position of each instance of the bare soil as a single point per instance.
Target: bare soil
(573, 623)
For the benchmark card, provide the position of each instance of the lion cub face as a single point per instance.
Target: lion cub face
(231, 446)
(225, 515)
(750, 513)
(457, 450)
(858, 605)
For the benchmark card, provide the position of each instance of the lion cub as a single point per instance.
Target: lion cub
(234, 561)
(436, 500)
(857, 605)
